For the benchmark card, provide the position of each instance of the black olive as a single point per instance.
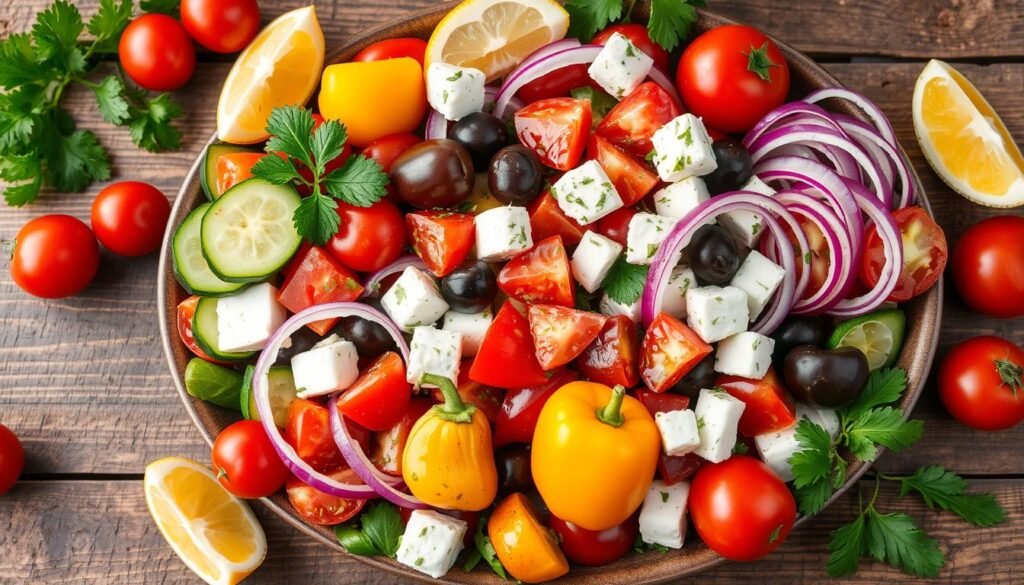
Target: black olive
(513, 463)
(702, 376)
(712, 255)
(471, 288)
(826, 378)
(516, 176)
(371, 339)
(735, 167)
(482, 134)
(799, 330)
(434, 173)
(302, 340)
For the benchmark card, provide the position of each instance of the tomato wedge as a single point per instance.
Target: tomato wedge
(388, 446)
(379, 396)
(540, 275)
(556, 130)
(507, 358)
(671, 468)
(186, 311)
(547, 219)
(318, 278)
(308, 431)
(769, 407)
(924, 254)
(316, 507)
(558, 83)
(612, 358)
(519, 411)
(631, 177)
(561, 334)
(669, 351)
(631, 124)
(442, 239)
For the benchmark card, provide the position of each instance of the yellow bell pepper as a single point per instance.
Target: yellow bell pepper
(448, 460)
(595, 451)
(525, 547)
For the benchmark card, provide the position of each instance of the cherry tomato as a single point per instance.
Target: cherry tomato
(547, 219)
(769, 408)
(54, 256)
(633, 121)
(560, 334)
(556, 130)
(393, 49)
(988, 266)
(924, 254)
(540, 275)
(731, 76)
(156, 52)
(668, 352)
(369, 238)
(308, 431)
(129, 218)
(521, 408)
(222, 26)
(441, 238)
(821, 254)
(633, 179)
(378, 398)
(507, 341)
(735, 521)
(186, 311)
(12, 459)
(615, 225)
(317, 278)
(612, 358)
(386, 149)
(558, 83)
(316, 507)
(245, 461)
(593, 548)
(980, 383)
(637, 34)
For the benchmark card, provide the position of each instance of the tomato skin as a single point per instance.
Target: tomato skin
(924, 254)
(633, 121)
(593, 548)
(393, 49)
(612, 358)
(316, 507)
(769, 408)
(315, 278)
(386, 149)
(507, 341)
(638, 35)
(547, 219)
(378, 398)
(222, 26)
(157, 53)
(556, 130)
(309, 432)
(233, 168)
(129, 218)
(668, 352)
(369, 238)
(972, 389)
(55, 256)
(540, 275)
(186, 311)
(12, 459)
(615, 225)
(716, 83)
(521, 408)
(633, 179)
(735, 521)
(557, 84)
(442, 239)
(246, 462)
(988, 266)
(388, 446)
(561, 334)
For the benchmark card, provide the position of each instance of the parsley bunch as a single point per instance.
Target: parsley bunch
(671, 20)
(40, 144)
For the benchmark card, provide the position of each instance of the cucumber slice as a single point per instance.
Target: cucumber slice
(878, 335)
(204, 328)
(212, 383)
(282, 392)
(208, 170)
(248, 234)
(190, 267)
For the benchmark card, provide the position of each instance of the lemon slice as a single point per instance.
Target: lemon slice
(280, 67)
(212, 531)
(964, 140)
(495, 35)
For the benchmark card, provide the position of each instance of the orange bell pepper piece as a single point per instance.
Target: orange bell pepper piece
(524, 546)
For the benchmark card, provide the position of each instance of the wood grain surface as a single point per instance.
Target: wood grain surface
(84, 383)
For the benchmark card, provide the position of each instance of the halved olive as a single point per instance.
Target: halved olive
(827, 378)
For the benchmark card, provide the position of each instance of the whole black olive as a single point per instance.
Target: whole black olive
(471, 288)
(712, 255)
(825, 378)
(434, 173)
(371, 339)
(302, 340)
(482, 134)
(513, 463)
(734, 167)
(702, 376)
(799, 330)
(516, 176)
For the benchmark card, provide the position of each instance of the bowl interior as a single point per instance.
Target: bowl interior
(923, 312)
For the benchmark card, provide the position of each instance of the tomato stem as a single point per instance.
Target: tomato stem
(1010, 373)
(611, 414)
(453, 409)
(759, 63)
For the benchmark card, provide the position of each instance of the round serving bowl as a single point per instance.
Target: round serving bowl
(924, 313)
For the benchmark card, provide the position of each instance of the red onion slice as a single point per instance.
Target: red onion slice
(552, 62)
(372, 286)
(869, 139)
(873, 112)
(791, 113)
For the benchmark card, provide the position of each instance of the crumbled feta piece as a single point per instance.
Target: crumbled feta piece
(681, 280)
(646, 233)
(502, 233)
(593, 258)
(611, 307)
(759, 278)
(663, 514)
(431, 542)
(434, 351)
(620, 67)
(454, 91)
(776, 449)
(413, 300)
(471, 326)
(825, 418)
(718, 419)
(682, 148)
(679, 199)
(746, 354)
(756, 185)
(716, 312)
(585, 193)
(245, 321)
(678, 429)
(331, 365)
(744, 226)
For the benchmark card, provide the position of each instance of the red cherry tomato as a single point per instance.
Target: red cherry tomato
(521, 408)
(308, 431)
(731, 76)
(157, 53)
(315, 278)
(246, 462)
(186, 311)
(547, 219)
(54, 256)
(668, 352)
(632, 178)
(540, 275)
(988, 266)
(386, 149)
(393, 49)
(369, 238)
(736, 520)
(924, 254)
(234, 167)
(637, 34)
(222, 26)
(560, 334)
(615, 225)
(633, 121)
(556, 130)
(441, 238)
(980, 383)
(388, 446)
(612, 358)
(593, 548)
(129, 218)
(316, 507)
(12, 459)
(507, 341)
(378, 398)
(769, 408)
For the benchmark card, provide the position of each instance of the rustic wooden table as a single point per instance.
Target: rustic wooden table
(84, 383)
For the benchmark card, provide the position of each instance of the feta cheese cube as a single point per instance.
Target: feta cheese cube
(620, 67)
(471, 326)
(331, 365)
(585, 193)
(434, 351)
(431, 542)
(679, 199)
(681, 280)
(502, 233)
(611, 307)
(744, 226)
(756, 185)
(245, 321)
(746, 354)
(823, 417)
(593, 258)
(718, 419)
(716, 312)
(663, 514)
(759, 277)
(682, 148)
(413, 300)
(678, 429)
(454, 91)
(646, 233)
(777, 448)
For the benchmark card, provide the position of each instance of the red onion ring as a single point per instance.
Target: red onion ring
(872, 111)
(552, 62)
(869, 139)
(372, 286)
(791, 113)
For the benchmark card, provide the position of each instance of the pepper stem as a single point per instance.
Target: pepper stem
(453, 409)
(611, 414)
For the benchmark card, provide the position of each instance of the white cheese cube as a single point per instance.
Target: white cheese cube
(744, 226)
(453, 91)
(823, 417)
(431, 542)
(663, 514)
(611, 307)
(593, 258)
(245, 321)
(679, 199)
(681, 280)
(682, 148)
(756, 185)
(759, 277)
(777, 448)
(502, 233)
(716, 312)
(646, 233)
(434, 351)
(678, 429)
(718, 419)
(746, 354)
(620, 67)
(331, 365)
(585, 193)
(471, 326)
(413, 300)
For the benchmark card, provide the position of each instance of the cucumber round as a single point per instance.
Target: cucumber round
(249, 234)
(204, 328)
(282, 392)
(190, 266)
(208, 169)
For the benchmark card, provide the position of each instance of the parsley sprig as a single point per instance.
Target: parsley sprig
(625, 282)
(671, 20)
(377, 532)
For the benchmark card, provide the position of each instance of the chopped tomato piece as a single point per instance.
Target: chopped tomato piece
(234, 167)
(506, 358)
(924, 254)
(631, 177)
(558, 83)
(540, 275)
(556, 130)
(561, 334)
(485, 398)
(316, 507)
(669, 351)
(633, 121)
(309, 432)
(612, 358)
(379, 396)
(547, 219)
(317, 279)
(615, 225)
(521, 408)
(769, 407)
(186, 311)
(671, 468)
(388, 446)
(820, 257)
(442, 239)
